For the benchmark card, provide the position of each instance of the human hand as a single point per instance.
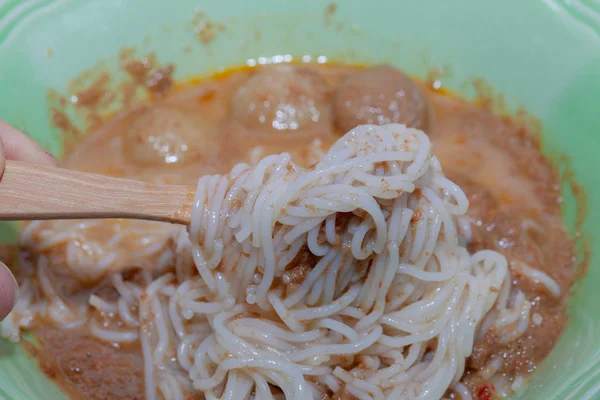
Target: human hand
(15, 145)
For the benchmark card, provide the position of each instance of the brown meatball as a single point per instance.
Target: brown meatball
(283, 98)
(162, 135)
(379, 95)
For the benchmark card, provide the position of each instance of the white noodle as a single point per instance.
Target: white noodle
(223, 312)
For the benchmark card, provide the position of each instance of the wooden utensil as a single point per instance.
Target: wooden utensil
(35, 192)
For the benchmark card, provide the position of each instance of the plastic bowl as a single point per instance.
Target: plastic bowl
(542, 55)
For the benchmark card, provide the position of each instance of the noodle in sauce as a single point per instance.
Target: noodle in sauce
(286, 284)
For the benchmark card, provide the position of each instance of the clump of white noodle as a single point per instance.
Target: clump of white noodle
(390, 308)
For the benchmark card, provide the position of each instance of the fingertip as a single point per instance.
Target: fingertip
(2, 158)
(8, 291)
(18, 146)
(52, 159)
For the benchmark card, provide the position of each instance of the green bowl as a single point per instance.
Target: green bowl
(542, 55)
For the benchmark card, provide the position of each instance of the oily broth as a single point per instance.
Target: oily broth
(495, 159)
(206, 102)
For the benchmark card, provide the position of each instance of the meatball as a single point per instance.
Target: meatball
(162, 135)
(283, 98)
(379, 95)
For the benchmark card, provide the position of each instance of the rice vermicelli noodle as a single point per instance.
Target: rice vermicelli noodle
(350, 276)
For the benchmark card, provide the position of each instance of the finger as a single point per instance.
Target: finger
(1, 157)
(20, 147)
(8, 291)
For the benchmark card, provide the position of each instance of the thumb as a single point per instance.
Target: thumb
(8, 291)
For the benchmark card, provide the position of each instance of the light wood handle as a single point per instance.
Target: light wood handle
(30, 192)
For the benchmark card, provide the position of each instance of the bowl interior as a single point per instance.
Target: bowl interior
(543, 56)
